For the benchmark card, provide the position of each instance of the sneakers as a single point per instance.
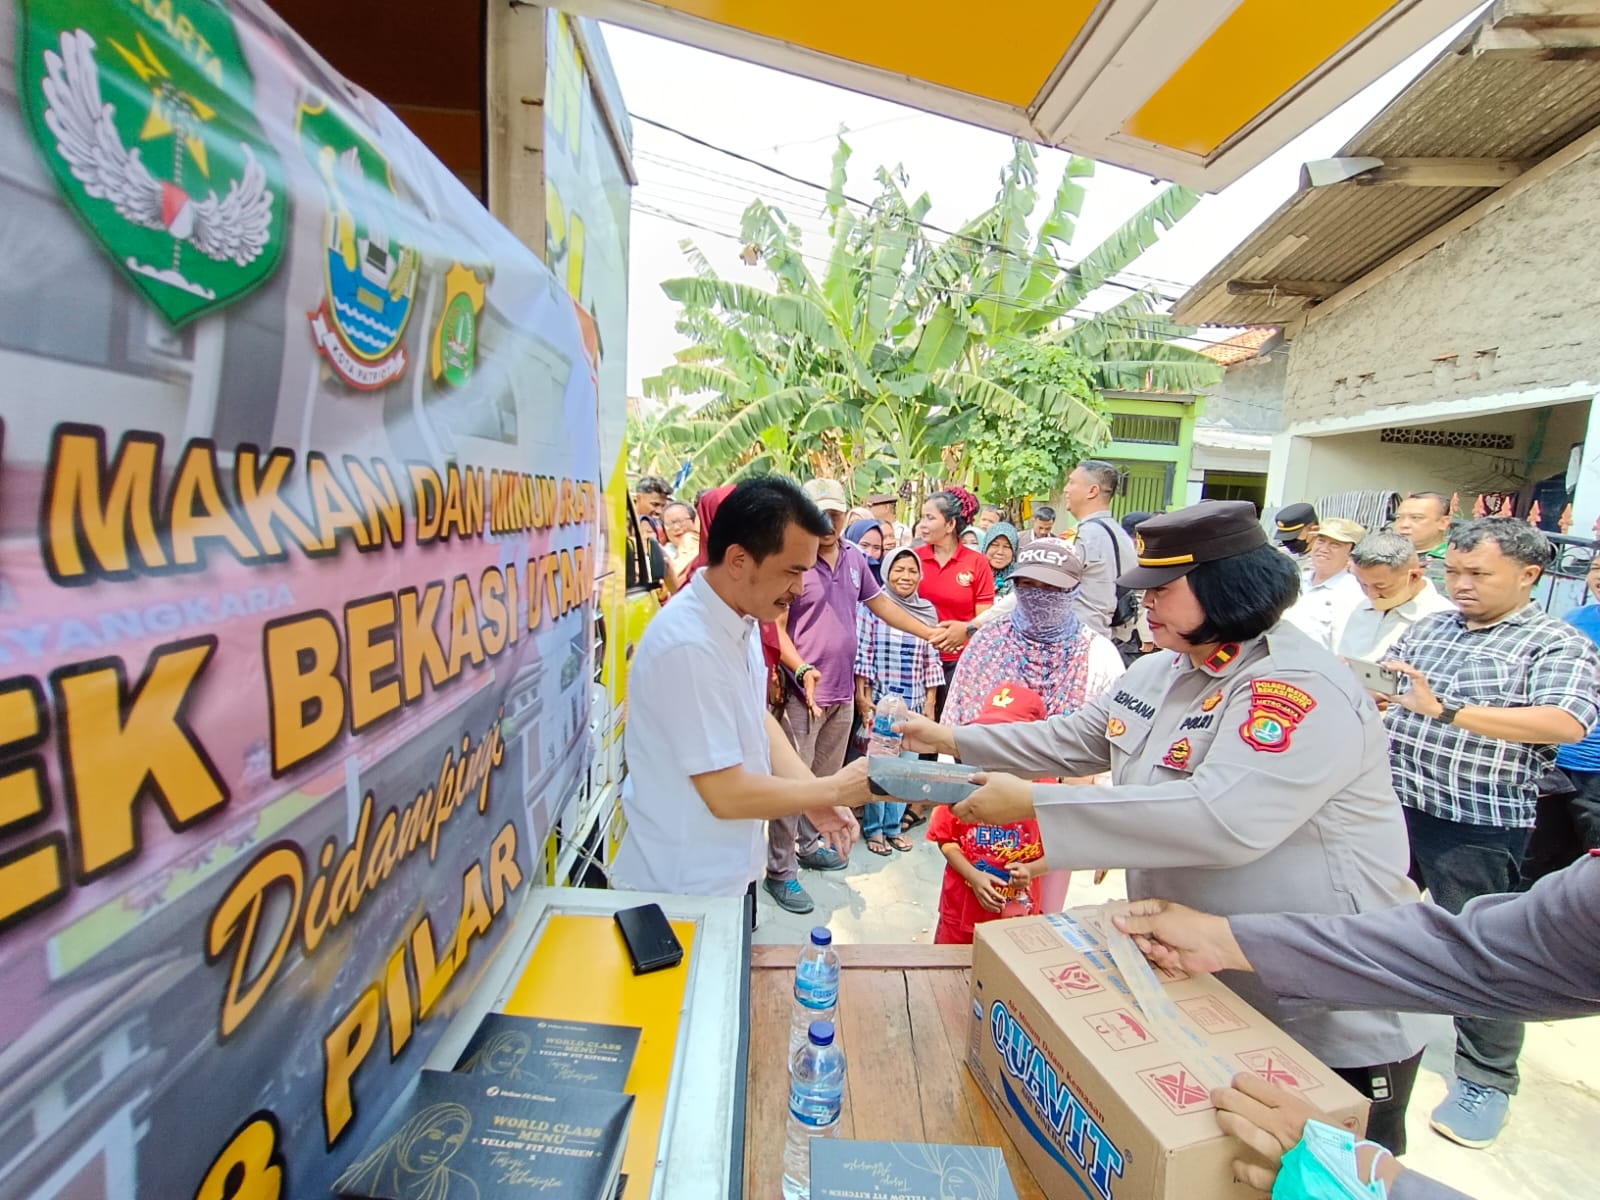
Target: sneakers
(823, 858)
(1471, 1114)
(788, 894)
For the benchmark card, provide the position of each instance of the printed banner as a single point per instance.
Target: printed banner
(301, 513)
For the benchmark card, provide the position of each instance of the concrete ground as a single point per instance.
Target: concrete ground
(1549, 1150)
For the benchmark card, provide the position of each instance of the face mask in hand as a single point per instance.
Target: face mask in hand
(1322, 1166)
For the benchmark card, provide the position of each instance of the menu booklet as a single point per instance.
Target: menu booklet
(523, 1050)
(465, 1137)
(845, 1170)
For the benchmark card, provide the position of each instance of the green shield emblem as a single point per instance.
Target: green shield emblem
(142, 110)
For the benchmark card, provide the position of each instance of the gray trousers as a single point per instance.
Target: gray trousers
(820, 742)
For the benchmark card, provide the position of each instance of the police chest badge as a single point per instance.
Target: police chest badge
(1177, 756)
(1211, 701)
(142, 112)
(1276, 709)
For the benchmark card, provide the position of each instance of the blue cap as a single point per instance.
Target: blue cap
(821, 1033)
(821, 937)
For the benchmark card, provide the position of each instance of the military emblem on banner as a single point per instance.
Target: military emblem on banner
(370, 281)
(453, 354)
(143, 114)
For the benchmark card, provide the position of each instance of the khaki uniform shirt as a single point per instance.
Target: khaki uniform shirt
(1257, 783)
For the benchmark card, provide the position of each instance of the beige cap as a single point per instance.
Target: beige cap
(1341, 529)
(827, 494)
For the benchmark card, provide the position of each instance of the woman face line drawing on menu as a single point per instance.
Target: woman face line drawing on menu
(442, 1129)
(413, 1164)
(502, 1055)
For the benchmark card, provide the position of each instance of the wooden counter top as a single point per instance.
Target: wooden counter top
(903, 1022)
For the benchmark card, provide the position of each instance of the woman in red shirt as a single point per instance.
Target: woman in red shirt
(957, 580)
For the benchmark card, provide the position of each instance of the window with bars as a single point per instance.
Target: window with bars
(1146, 487)
(1149, 431)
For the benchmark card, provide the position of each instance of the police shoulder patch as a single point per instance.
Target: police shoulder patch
(1276, 710)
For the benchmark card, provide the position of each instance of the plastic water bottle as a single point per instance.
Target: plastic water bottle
(816, 1096)
(890, 712)
(816, 987)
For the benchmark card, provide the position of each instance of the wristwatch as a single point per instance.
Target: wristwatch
(972, 628)
(1448, 712)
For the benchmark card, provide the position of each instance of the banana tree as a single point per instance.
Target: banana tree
(903, 348)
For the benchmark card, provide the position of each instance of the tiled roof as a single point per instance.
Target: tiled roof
(1241, 346)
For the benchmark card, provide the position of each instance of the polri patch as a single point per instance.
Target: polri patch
(1211, 701)
(1178, 755)
(1276, 709)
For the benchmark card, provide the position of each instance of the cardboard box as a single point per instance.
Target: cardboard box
(1097, 1103)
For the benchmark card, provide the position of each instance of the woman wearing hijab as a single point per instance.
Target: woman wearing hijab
(1041, 644)
(888, 660)
(867, 535)
(999, 544)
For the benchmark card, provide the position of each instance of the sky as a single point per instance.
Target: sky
(689, 191)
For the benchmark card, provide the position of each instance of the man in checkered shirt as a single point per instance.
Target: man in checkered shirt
(1493, 689)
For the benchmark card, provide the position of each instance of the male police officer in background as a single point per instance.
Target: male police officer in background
(1251, 772)
(1296, 530)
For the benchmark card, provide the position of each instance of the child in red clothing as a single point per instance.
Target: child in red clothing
(991, 871)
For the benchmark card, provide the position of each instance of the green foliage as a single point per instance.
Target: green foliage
(1021, 448)
(911, 355)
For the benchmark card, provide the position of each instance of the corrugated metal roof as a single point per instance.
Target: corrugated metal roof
(1462, 106)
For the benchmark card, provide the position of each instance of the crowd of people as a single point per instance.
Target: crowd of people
(1308, 727)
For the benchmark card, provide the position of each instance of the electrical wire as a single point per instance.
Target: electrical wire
(914, 116)
(716, 177)
(1124, 323)
(867, 205)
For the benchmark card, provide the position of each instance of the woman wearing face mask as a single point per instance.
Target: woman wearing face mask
(867, 536)
(957, 580)
(1042, 644)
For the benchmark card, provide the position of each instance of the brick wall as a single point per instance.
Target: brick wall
(1511, 304)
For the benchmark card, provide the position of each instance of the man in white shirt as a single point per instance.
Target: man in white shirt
(1329, 593)
(1398, 595)
(707, 764)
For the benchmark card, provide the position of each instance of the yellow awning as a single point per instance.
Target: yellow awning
(1198, 91)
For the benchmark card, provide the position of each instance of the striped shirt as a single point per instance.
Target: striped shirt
(892, 661)
(1527, 660)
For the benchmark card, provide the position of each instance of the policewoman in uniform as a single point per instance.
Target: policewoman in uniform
(1250, 769)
